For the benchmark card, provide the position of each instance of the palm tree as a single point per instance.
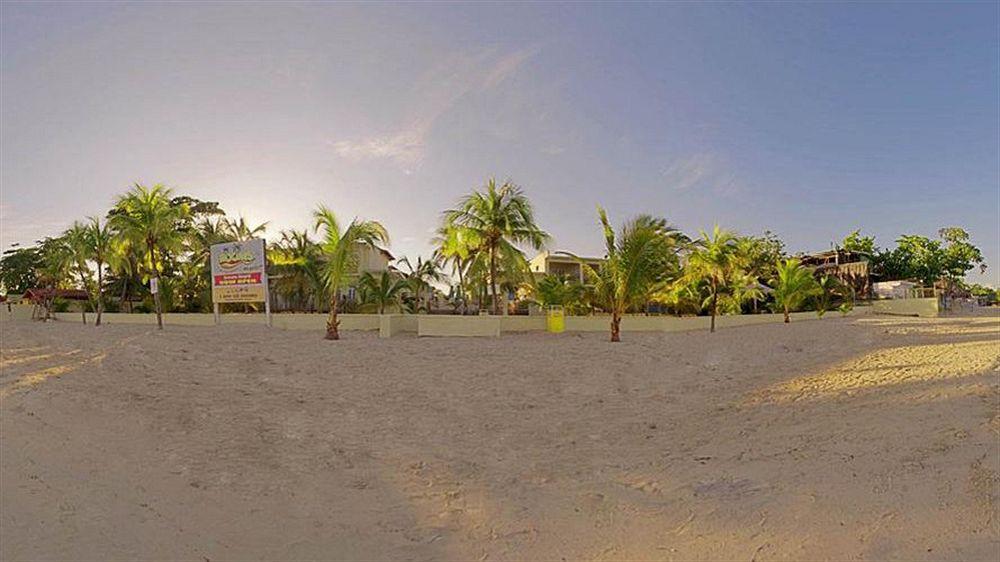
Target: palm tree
(714, 260)
(339, 252)
(77, 244)
(101, 242)
(383, 290)
(147, 217)
(793, 286)
(827, 288)
(419, 277)
(500, 218)
(560, 290)
(640, 260)
(240, 231)
(458, 246)
(56, 268)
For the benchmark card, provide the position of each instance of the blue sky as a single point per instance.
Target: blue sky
(808, 120)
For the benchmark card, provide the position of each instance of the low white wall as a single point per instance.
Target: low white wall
(281, 321)
(458, 326)
(393, 324)
(389, 325)
(925, 307)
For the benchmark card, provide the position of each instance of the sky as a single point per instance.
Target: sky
(809, 120)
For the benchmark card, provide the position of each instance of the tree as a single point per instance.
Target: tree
(382, 291)
(919, 257)
(858, 244)
(640, 260)
(457, 246)
(500, 218)
(757, 257)
(560, 290)
(240, 231)
(827, 289)
(715, 261)
(19, 269)
(419, 276)
(960, 255)
(77, 241)
(793, 286)
(56, 270)
(339, 254)
(101, 245)
(147, 217)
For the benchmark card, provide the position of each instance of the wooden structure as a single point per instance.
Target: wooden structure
(43, 297)
(851, 268)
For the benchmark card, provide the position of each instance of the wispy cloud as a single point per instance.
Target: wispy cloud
(434, 94)
(704, 171)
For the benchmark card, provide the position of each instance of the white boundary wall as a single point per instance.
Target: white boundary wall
(390, 325)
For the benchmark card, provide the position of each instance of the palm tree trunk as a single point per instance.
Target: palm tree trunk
(714, 305)
(493, 281)
(121, 301)
(156, 295)
(461, 291)
(100, 293)
(616, 321)
(787, 319)
(332, 333)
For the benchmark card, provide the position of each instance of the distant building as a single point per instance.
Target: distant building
(851, 268)
(894, 289)
(547, 263)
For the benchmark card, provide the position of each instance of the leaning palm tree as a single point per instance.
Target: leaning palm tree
(339, 251)
(640, 259)
(382, 291)
(147, 217)
(715, 261)
(793, 286)
(501, 218)
(102, 246)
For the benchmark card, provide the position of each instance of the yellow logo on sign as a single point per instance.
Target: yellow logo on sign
(234, 257)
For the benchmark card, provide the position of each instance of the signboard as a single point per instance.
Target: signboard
(238, 272)
(154, 285)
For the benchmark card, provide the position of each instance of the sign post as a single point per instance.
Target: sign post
(239, 274)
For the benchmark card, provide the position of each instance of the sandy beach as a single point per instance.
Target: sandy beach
(867, 438)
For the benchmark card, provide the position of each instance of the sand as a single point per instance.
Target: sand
(865, 438)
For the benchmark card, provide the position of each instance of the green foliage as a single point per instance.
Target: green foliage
(987, 293)
(794, 285)
(499, 218)
(418, 278)
(640, 260)
(561, 290)
(828, 288)
(458, 247)
(856, 243)
(718, 267)
(927, 260)
(296, 262)
(846, 307)
(19, 269)
(383, 291)
(338, 254)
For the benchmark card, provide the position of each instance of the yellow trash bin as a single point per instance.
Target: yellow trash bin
(556, 320)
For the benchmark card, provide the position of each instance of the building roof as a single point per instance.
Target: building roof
(38, 294)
